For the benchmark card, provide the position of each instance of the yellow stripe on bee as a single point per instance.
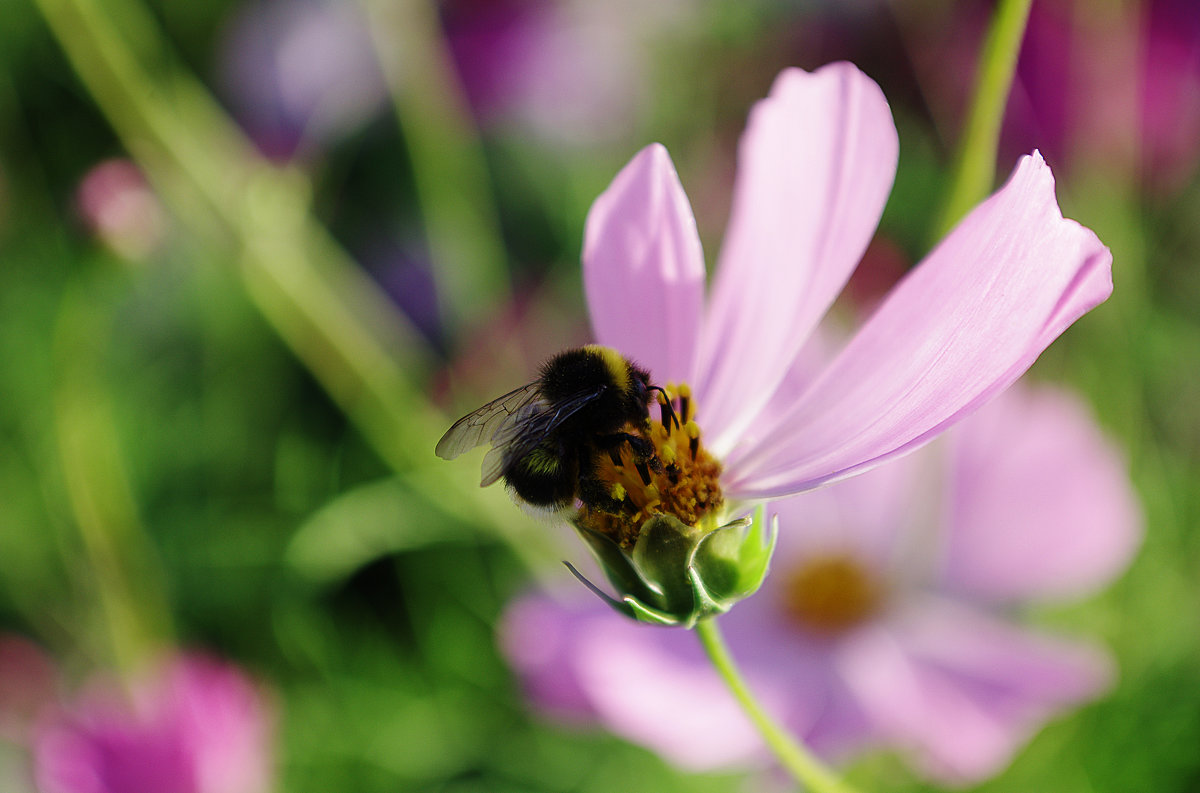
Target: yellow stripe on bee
(616, 364)
(541, 462)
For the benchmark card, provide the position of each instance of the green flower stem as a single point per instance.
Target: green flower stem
(122, 584)
(324, 307)
(332, 316)
(975, 162)
(806, 769)
(462, 226)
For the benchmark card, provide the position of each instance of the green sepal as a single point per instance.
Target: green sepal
(678, 574)
(733, 560)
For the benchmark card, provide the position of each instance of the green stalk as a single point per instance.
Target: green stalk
(334, 318)
(800, 763)
(122, 581)
(462, 226)
(975, 162)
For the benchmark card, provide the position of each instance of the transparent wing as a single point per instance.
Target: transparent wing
(480, 426)
(531, 424)
(516, 436)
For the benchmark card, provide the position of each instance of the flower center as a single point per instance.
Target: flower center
(829, 594)
(672, 474)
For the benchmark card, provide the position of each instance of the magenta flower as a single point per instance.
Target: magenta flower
(816, 164)
(883, 622)
(199, 727)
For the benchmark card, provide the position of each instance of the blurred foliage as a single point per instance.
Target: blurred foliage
(173, 473)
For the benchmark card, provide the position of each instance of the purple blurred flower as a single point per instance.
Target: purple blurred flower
(199, 726)
(1170, 90)
(1118, 89)
(300, 72)
(816, 165)
(564, 72)
(884, 620)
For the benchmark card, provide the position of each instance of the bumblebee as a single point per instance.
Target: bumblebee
(546, 435)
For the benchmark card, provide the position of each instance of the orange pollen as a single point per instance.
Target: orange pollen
(830, 594)
(679, 478)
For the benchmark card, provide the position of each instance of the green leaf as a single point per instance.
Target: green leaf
(361, 525)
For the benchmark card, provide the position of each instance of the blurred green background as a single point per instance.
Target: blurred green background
(220, 388)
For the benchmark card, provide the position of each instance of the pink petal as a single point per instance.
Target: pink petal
(1043, 507)
(222, 718)
(794, 671)
(643, 269)
(815, 167)
(538, 635)
(200, 726)
(963, 692)
(877, 519)
(958, 329)
(645, 689)
(579, 659)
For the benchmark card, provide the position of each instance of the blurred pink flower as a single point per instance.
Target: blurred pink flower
(199, 726)
(566, 72)
(816, 165)
(1169, 91)
(884, 620)
(28, 680)
(119, 207)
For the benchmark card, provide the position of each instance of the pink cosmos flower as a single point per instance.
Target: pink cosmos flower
(816, 164)
(666, 516)
(883, 621)
(198, 727)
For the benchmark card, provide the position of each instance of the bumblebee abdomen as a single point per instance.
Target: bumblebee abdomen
(546, 477)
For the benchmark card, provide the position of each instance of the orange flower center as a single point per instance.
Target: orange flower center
(679, 478)
(829, 594)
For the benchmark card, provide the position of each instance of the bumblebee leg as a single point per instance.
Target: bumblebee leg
(643, 450)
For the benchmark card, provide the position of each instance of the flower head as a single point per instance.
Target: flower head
(816, 165)
(198, 727)
(883, 622)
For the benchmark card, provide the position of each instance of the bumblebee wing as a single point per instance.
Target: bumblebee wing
(525, 429)
(516, 436)
(480, 426)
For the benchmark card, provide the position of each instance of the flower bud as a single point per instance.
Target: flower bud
(677, 574)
